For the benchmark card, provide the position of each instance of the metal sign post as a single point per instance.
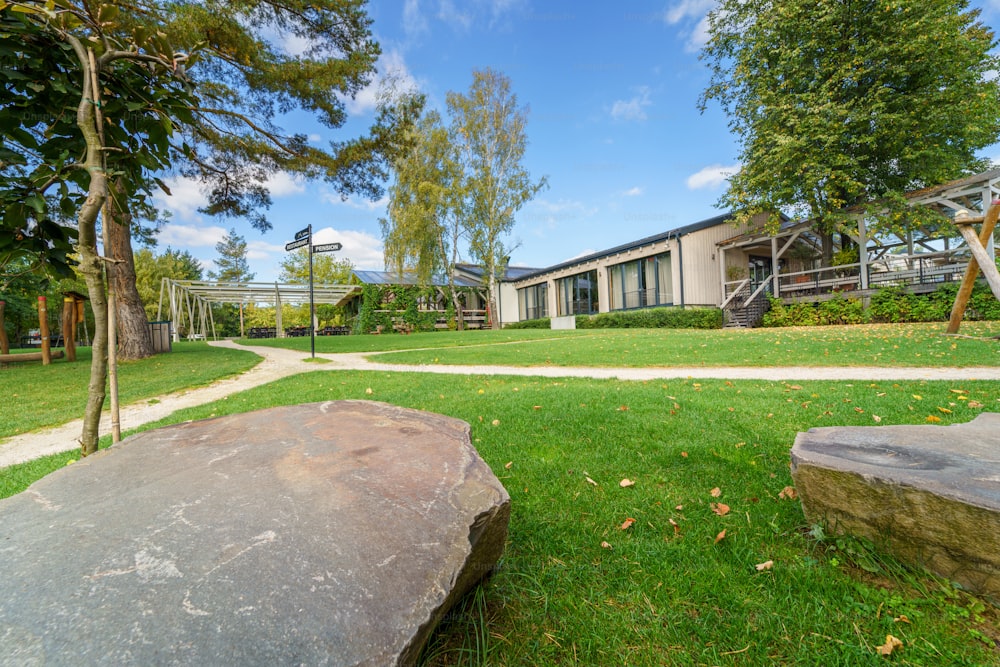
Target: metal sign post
(303, 237)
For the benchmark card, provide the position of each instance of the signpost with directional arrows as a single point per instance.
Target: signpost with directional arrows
(303, 237)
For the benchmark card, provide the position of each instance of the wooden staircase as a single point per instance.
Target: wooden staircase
(745, 309)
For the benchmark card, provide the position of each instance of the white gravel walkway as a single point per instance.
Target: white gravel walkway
(278, 363)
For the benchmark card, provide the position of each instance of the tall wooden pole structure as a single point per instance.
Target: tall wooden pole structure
(972, 271)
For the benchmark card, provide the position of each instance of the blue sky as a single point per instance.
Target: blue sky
(612, 90)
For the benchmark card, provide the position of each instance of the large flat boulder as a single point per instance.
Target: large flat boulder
(928, 494)
(334, 533)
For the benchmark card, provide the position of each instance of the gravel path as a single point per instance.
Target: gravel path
(278, 363)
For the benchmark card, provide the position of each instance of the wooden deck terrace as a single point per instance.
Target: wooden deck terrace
(920, 276)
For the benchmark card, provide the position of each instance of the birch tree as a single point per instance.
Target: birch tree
(488, 130)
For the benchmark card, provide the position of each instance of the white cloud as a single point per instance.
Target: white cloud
(186, 194)
(283, 184)
(634, 108)
(393, 74)
(363, 249)
(459, 20)
(414, 22)
(688, 9)
(688, 12)
(184, 200)
(331, 197)
(711, 176)
(633, 192)
(257, 249)
(315, 138)
(189, 236)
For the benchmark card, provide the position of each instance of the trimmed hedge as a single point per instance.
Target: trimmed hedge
(649, 318)
(540, 323)
(888, 305)
(653, 318)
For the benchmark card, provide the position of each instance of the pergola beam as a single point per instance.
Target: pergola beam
(187, 296)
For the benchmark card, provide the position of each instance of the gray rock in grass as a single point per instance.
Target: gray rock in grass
(332, 533)
(928, 494)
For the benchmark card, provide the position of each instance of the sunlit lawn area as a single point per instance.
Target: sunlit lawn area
(660, 594)
(37, 396)
(863, 345)
(575, 588)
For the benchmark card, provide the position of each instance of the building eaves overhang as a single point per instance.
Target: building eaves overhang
(633, 245)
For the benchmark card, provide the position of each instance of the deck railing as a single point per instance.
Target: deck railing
(894, 270)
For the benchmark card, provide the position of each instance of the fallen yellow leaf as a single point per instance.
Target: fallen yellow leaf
(508, 465)
(721, 536)
(766, 565)
(591, 481)
(890, 645)
(625, 483)
(605, 545)
(627, 523)
(933, 418)
(721, 509)
(788, 493)
(716, 492)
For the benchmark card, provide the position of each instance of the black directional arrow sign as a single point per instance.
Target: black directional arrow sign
(326, 247)
(304, 233)
(296, 244)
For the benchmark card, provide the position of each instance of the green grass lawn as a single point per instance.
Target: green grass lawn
(660, 594)
(37, 396)
(573, 587)
(910, 345)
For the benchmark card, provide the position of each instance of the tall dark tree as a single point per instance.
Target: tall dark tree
(233, 264)
(844, 102)
(99, 88)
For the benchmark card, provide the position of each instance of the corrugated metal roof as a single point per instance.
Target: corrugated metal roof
(512, 272)
(408, 278)
(649, 240)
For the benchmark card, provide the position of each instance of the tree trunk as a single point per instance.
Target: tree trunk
(494, 314)
(90, 263)
(90, 267)
(134, 341)
(4, 345)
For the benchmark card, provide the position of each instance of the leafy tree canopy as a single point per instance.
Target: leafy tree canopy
(151, 268)
(844, 102)
(327, 268)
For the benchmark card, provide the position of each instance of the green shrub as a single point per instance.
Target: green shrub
(540, 323)
(887, 305)
(653, 318)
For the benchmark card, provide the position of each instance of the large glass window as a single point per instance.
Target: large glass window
(533, 301)
(577, 295)
(642, 283)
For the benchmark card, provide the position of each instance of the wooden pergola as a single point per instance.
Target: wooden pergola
(920, 259)
(189, 301)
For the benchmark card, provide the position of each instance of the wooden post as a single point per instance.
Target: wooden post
(69, 327)
(4, 343)
(972, 271)
(986, 264)
(43, 328)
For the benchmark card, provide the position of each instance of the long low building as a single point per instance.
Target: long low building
(681, 267)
